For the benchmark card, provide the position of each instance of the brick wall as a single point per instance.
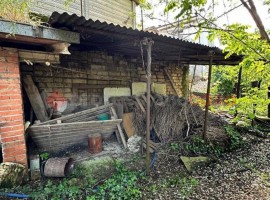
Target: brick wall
(86, 74)
(11, 112)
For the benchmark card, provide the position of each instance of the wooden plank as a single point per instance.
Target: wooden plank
(87, 117)
(153, 146)
(128, 124)
(119, 128)
(171, 81)
(78, 124)
(126, 110)
(73, 135)
(44, 99)
(56, 130)
(35, 98)
(95, 113)
(38, 56)
(119, 108)
(73, 115)
(144, 98)
(70, 139)
(140, 104)
(152, 98)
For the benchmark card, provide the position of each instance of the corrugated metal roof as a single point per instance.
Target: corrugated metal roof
(96, 35)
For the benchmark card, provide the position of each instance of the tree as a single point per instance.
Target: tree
(250, 6)
(236, 39)
(20, 11)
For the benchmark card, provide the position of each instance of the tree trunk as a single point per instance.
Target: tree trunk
(250, 6)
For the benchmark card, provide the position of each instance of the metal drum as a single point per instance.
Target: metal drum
(95, 143)
(58, 167)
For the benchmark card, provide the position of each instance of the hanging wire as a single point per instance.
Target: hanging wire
(143, 64)
(148, 73)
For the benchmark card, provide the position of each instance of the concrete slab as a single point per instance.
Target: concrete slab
(159, 88)
(115, 92)
(139, 88)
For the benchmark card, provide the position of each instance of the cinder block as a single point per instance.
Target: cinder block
(92, 81)
(79, 81)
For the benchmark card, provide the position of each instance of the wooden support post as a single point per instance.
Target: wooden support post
(119, 128)
(238, 94)
(148, 42)
(211, 54)
(35, 98)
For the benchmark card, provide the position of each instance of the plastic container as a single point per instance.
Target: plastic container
(103, 117)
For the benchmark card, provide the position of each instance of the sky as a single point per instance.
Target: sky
(239, 15)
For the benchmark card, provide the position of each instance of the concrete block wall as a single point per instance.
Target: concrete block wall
(11, 110)
(82, 76)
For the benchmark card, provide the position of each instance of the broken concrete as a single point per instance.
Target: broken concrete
(192, 162)
(134, 143)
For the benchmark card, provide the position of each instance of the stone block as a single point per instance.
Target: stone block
(115, 82)
(160, 76)
(103, 82)
(124, 74)
(98, 60)
(92, 82)
(44, 80)
(82, 81)
(114, 73)
(98, 67)
(104, 73)
(11, 174)
(67, 80)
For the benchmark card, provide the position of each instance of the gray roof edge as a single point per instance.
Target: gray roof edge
(41, 32)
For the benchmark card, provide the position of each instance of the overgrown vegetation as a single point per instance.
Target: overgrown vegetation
(199, 146)
(82, 185)
(20, 11)
(224, 80)
(236, 140)
(16, 10)
(185, 185)
(122, 185)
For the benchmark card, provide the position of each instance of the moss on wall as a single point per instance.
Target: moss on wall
(185, 80)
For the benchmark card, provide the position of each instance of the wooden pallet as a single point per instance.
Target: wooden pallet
(53, 137)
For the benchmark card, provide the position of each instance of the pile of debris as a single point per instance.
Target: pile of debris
(172, 117)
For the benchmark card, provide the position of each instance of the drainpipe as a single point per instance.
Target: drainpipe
(211, 54)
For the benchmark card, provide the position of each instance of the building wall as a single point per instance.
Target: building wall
(11, 111)
(82, 76)
(120, 12)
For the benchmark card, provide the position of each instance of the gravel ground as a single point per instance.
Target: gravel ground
(241, 175)
(244, 174)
